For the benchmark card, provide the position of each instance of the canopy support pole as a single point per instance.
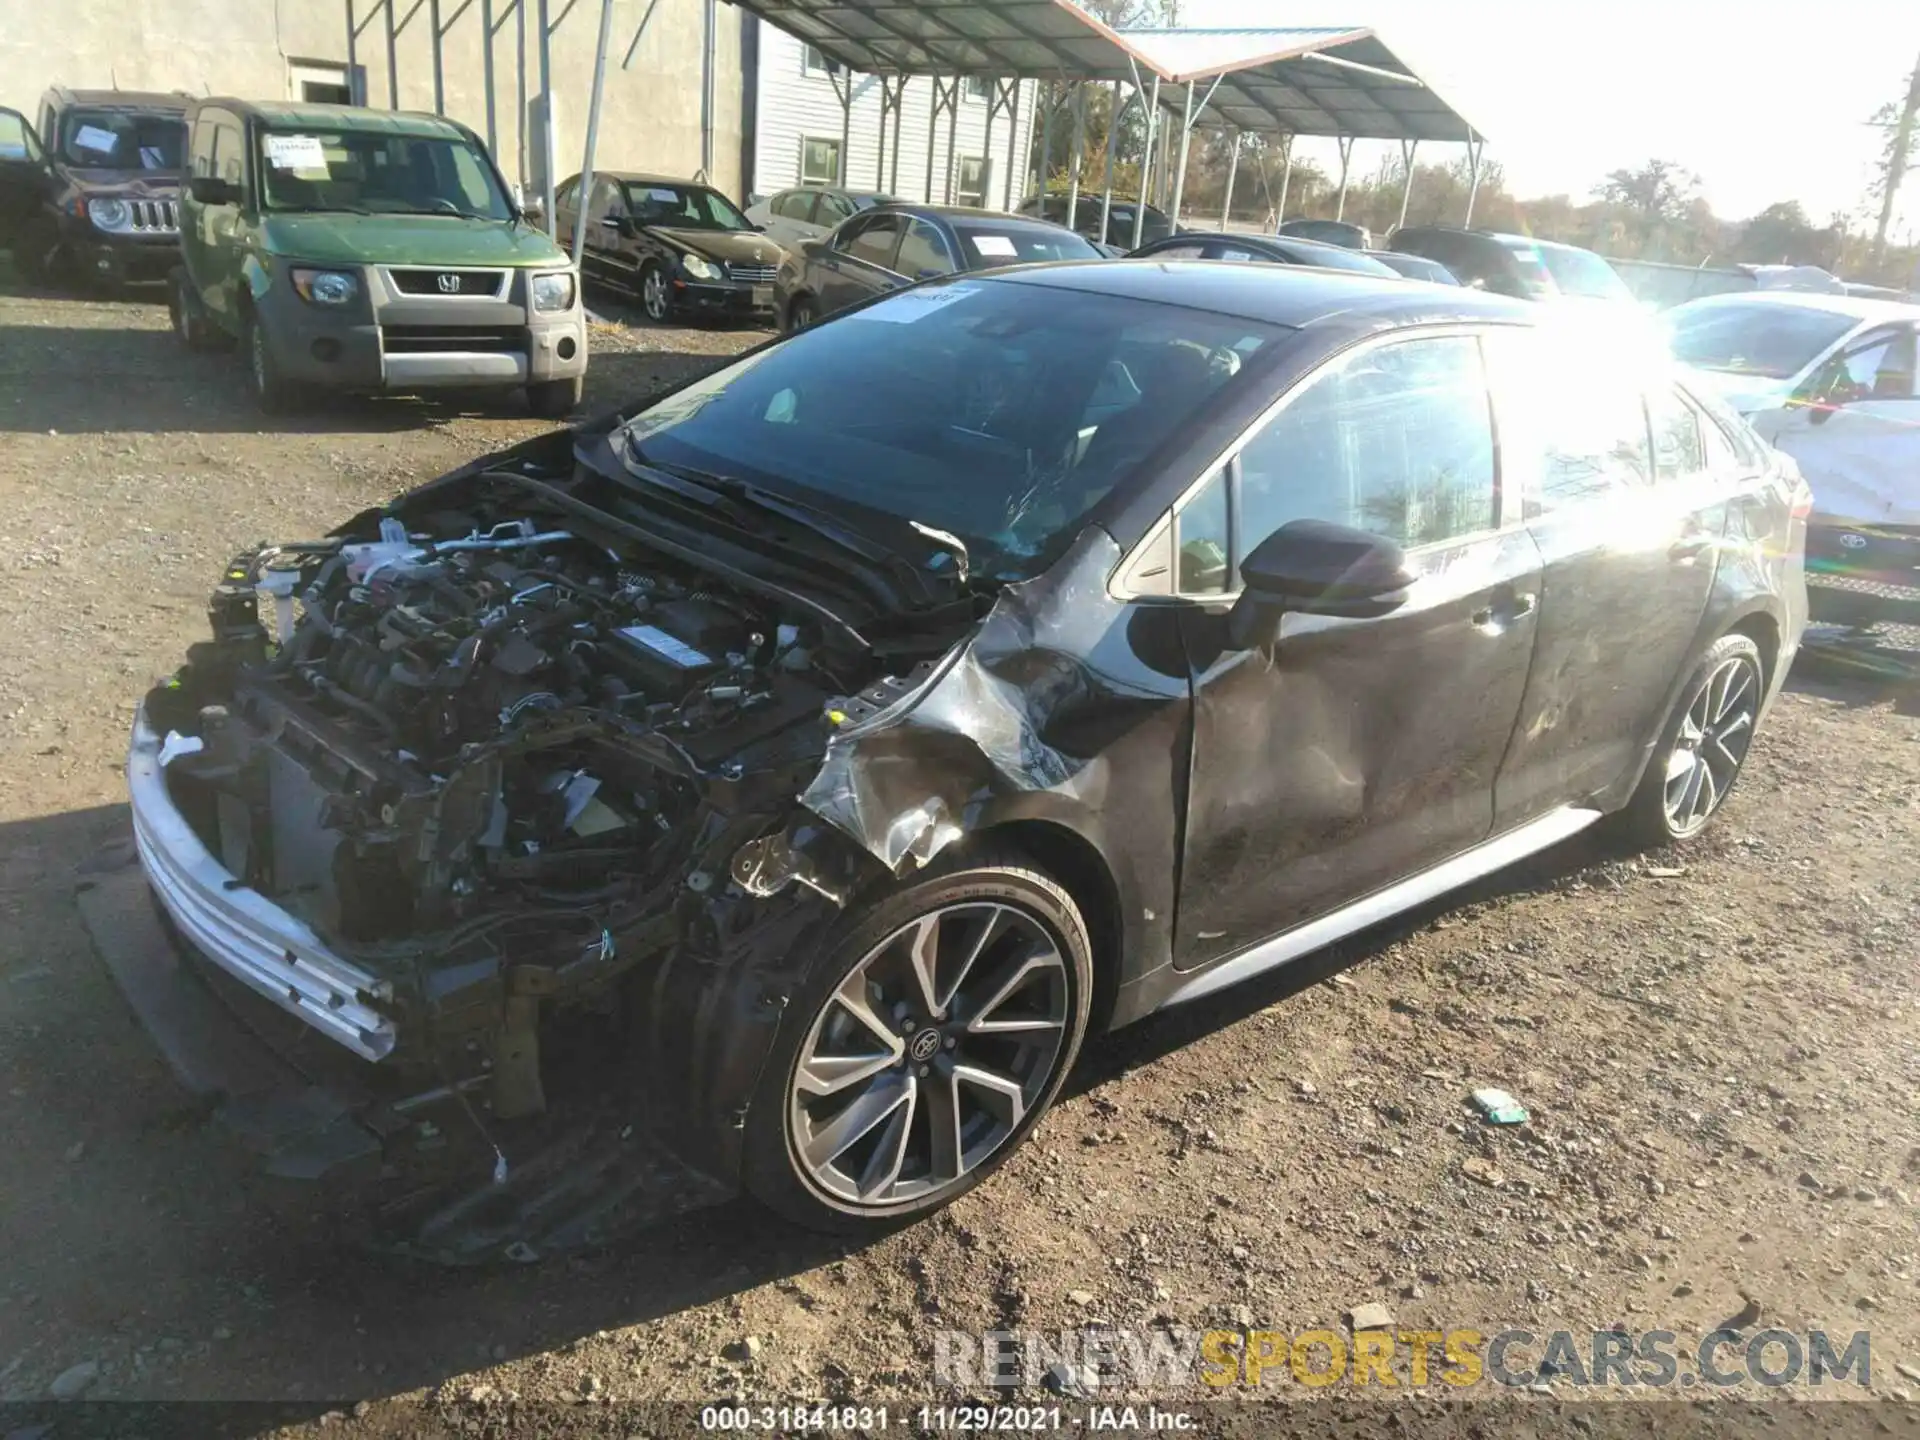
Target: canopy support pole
(393, 61)
(1146, 164)
(1475, 148)
(842, 82)
(1345, 143)
(1286, 180)
(899, 109)
(547, 146)
(1013, 146)
(1180, 167)
(893, 94)
(439, 66)
(1113, 139)
(486, 74)
(1074, 154)
(953, 128)
(1233, 167)
(1408, 149)
(584, 203)
(1046, 141)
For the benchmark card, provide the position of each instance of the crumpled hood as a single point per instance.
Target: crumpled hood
(732, 247)
(428, 240)
(1747, 394)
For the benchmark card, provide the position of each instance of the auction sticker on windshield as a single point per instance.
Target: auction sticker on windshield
(993, 245)
(296, 152)
(911, 305)
(92, 137)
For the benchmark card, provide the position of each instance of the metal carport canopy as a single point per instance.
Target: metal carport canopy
(1336, 81)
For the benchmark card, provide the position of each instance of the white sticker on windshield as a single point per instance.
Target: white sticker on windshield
(92, 137)
(672, 197)
(296, 152)
(993, 245)
(911, 305)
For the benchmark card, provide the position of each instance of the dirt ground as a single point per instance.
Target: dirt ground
(1718, 1046)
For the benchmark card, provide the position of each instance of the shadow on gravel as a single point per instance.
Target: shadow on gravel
(80, 380)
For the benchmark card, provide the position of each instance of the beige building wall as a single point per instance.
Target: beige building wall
(256, 49)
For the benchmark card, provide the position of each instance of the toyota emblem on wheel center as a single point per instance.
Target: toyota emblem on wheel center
(449, 284)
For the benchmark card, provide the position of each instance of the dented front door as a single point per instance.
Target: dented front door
(1357, 752)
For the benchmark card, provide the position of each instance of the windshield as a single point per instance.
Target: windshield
(989, 245)
(684, 207)
(1532, 280)
(1001, 413)
(1775, 342)
(1334, 257)
(1583, 273)
(123, 140)
(377, 173)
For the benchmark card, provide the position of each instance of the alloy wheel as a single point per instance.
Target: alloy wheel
(1711, 745)
(653, 295)
(929, 1056)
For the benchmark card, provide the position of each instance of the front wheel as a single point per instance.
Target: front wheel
(189, 316)
(654, 296)
(555, 399)
(271, 393)
(800, 314)
(921, 1048)
(1702, 749)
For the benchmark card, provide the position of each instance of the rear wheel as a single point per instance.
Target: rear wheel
(1703, 748)
(921, 1048)
(554, 399)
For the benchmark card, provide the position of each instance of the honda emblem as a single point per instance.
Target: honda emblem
(449, 284)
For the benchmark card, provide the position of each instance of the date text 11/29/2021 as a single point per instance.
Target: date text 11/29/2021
(924, 1419)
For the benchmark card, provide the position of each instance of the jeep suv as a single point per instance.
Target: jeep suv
(369, 250)
(93, 191)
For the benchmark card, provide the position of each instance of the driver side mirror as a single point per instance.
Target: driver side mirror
(1313, 567)
(211, 190)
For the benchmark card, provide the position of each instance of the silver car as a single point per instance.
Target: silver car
(807, 212)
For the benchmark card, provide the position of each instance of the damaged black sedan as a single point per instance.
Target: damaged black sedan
(856, 730)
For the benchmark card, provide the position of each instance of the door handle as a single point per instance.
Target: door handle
(1508, 606)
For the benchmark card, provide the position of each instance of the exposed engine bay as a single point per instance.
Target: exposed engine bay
(502, 763)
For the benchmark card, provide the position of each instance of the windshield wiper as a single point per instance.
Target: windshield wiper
(875, 552)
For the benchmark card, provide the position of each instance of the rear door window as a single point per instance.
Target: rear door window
(1679, 453)
(923, 252)
(875, 242)
(1573, 424)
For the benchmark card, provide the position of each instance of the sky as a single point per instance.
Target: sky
(1762, 103)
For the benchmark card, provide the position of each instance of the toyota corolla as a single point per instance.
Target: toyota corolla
(857, 730)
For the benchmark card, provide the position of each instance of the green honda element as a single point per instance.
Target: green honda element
(368, 250)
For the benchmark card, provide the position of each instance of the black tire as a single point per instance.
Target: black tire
(998, 881)
(656, 297)
(800, 314)
(1657, 814)
(189, 316)
(271, 393)
(37, 253)
(555, 399)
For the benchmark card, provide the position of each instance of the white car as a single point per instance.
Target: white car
(807, 212)
(1829, 379)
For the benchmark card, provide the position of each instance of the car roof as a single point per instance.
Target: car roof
(176, 100)
(1862, 309)
(642, 177)
(341, 117)
(1293, 296)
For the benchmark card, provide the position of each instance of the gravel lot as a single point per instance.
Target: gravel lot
(1717, 1045)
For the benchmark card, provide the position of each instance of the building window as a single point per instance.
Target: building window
(812, 62)
(972, 186)
(320, 82)
(819, 162)
(979, 87)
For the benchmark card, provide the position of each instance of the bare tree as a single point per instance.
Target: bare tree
(1896, 156)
